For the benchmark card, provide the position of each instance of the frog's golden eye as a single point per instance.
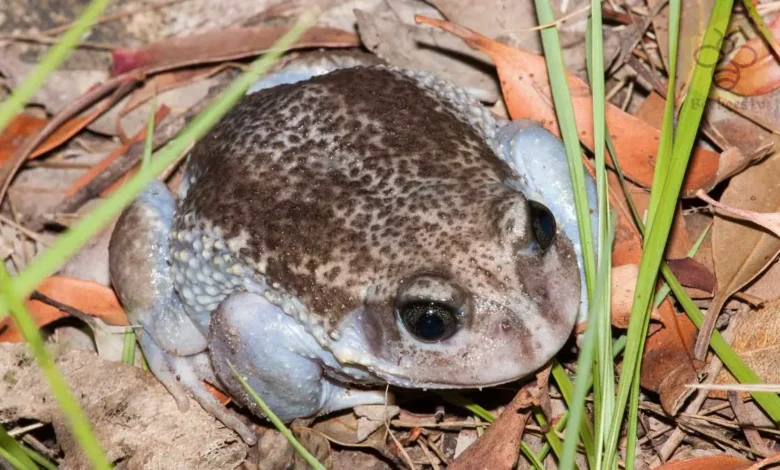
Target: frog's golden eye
(543, 224)
(429, 321)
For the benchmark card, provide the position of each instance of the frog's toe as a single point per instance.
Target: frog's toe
(187, 374)
(159, 363)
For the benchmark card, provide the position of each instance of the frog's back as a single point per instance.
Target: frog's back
(321, 182)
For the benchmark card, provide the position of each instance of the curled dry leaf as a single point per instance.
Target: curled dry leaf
(499, 446)
(740, 250)
(345, 430)
(220, 46)
(753, 69)
(770, 221)
(88, 297)
(526, 89)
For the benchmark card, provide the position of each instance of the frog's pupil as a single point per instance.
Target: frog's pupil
(430, 325)
(429, 321)
(543, 223)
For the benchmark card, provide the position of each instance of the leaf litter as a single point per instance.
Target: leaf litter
(172, 45)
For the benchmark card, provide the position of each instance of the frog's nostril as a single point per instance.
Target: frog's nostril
(506, 325)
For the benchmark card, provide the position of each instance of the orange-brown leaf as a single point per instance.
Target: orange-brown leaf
(713, 462)
(87, 296)
(219, 46)
(524, 81)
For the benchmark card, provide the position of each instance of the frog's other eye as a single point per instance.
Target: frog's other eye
(429, 321)
(543, 224)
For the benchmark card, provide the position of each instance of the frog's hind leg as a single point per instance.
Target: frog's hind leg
(173, 346)
(279, 360)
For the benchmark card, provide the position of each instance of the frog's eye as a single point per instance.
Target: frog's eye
(429, 321)
(543, 224)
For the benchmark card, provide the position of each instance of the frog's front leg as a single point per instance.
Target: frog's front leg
(174, 348)
(278, 358)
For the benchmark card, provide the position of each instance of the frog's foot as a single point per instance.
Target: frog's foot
(187, 374)
(279, 360)
(173, 345)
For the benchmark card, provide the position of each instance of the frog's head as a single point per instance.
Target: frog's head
(486, 300)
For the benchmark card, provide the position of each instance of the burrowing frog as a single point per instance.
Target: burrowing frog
(362, 226)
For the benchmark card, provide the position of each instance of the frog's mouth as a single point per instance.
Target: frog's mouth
(486, 353)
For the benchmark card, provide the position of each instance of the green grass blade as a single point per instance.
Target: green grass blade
(570, 394)
(146, 157)
(660, 223)
(10, 448)
(128, 348)
(39, 459)
(604, 385)
(766, 33)
(11, 459)
(82, 231)
(531, 456)
(77, 420)
(585, 362)
(302, 451)
(459, 400)
(53, 59)
(565, 113)
(553, 441)
(769, 402)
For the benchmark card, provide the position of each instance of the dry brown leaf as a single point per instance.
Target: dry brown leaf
(499, 447)
(344, 429)
(770, 221)
(524, 82)
(714, 462)
(757, 342)
(88, 176)
(88, 297)
(16, 132)
(167, 81)
(388, 30)
(740, 250)
(730, 162)
(693, 274)
(24, 126)
(220, 46)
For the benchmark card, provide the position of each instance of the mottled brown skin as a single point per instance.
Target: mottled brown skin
(341, 183)
(360, 227)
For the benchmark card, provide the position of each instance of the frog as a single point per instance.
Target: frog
(346, 227)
